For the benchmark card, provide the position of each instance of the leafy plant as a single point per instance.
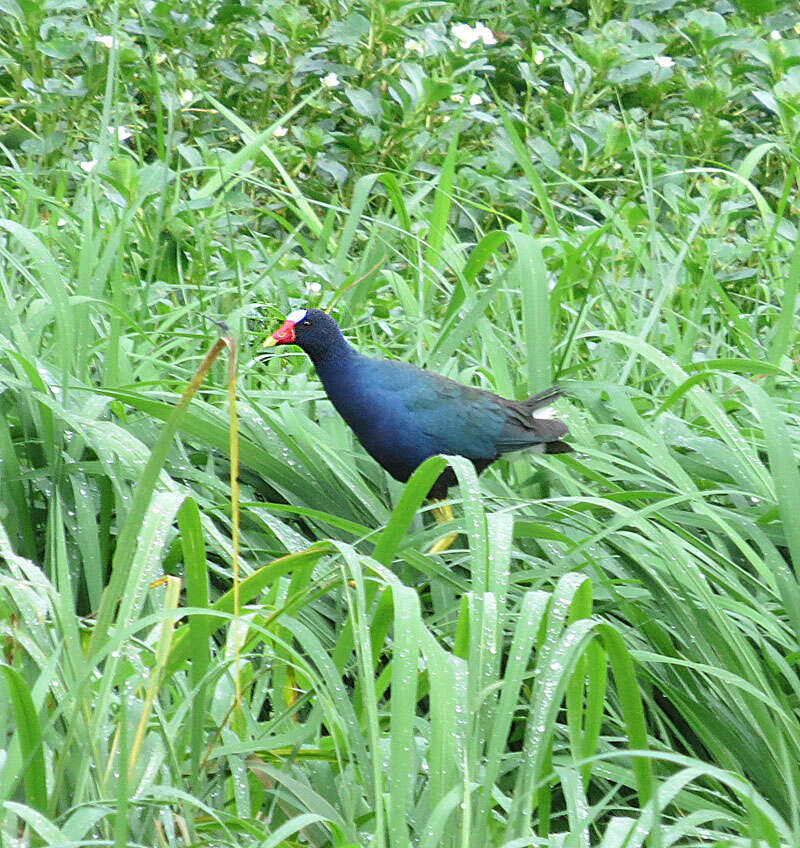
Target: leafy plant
(511, 194)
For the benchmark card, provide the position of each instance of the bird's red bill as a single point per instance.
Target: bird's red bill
(285, 333)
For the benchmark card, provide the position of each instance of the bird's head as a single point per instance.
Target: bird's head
(311, 329)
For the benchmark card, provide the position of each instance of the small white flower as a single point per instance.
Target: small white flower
(280, 132)
(457, 98)
(61, 222)
(568, 88)
(106, 40)
(330, 80)
(414, 46)
(467, 35)
(314, 288)
(257, 57)
(664, 61)
(161, 58)
(475, 100)
(186, 97)
(123, 133)
(485, 34)
(89, 165)
(538, 57)
(445, 119)
(775, 35)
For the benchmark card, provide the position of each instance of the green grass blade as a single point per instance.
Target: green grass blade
(530, 276)
(29, 734)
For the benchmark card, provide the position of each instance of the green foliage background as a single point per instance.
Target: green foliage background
(602, 194)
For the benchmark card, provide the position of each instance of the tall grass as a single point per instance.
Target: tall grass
(606, 657)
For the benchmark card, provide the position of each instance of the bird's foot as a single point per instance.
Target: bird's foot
(443, 544)
(442, 514)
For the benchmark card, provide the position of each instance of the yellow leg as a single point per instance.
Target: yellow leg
(443, 514)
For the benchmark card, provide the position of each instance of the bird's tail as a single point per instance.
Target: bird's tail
(549, 430)
(541, 399)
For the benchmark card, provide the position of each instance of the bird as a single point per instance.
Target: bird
(403, 414)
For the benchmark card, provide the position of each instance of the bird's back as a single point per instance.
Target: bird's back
(403, 414)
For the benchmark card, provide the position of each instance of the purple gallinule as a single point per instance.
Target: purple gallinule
(403, 414)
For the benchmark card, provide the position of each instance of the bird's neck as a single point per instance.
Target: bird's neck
(333, 363)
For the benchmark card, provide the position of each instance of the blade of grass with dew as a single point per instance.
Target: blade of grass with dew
(171, 600)
(758, 477)
(126, 544)
(571, 600)
(53, 288)
(249, 588)
(528, 622)
(480, 254)
(439, 217)
(29, 736)
(530, 276)
(405, 673)
(500, 542)
(414, 492)
(200, 627)
(358, 613)
(545, 702)
(59, 567)
(317, 515)
(483, 658)
(46, 833)
(786, 324)
(209, 425)
(474, 521)
(20, 520)
(447, 680)
(783, 465)
(585, 711)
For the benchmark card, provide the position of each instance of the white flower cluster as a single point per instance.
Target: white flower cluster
(474, 99)
(122, 133)
(467, 35)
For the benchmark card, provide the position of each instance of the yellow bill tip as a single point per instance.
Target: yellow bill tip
(269, 342)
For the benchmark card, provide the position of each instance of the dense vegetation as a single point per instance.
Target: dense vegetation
(598, 193)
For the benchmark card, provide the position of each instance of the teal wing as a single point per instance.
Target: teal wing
(451, 418)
